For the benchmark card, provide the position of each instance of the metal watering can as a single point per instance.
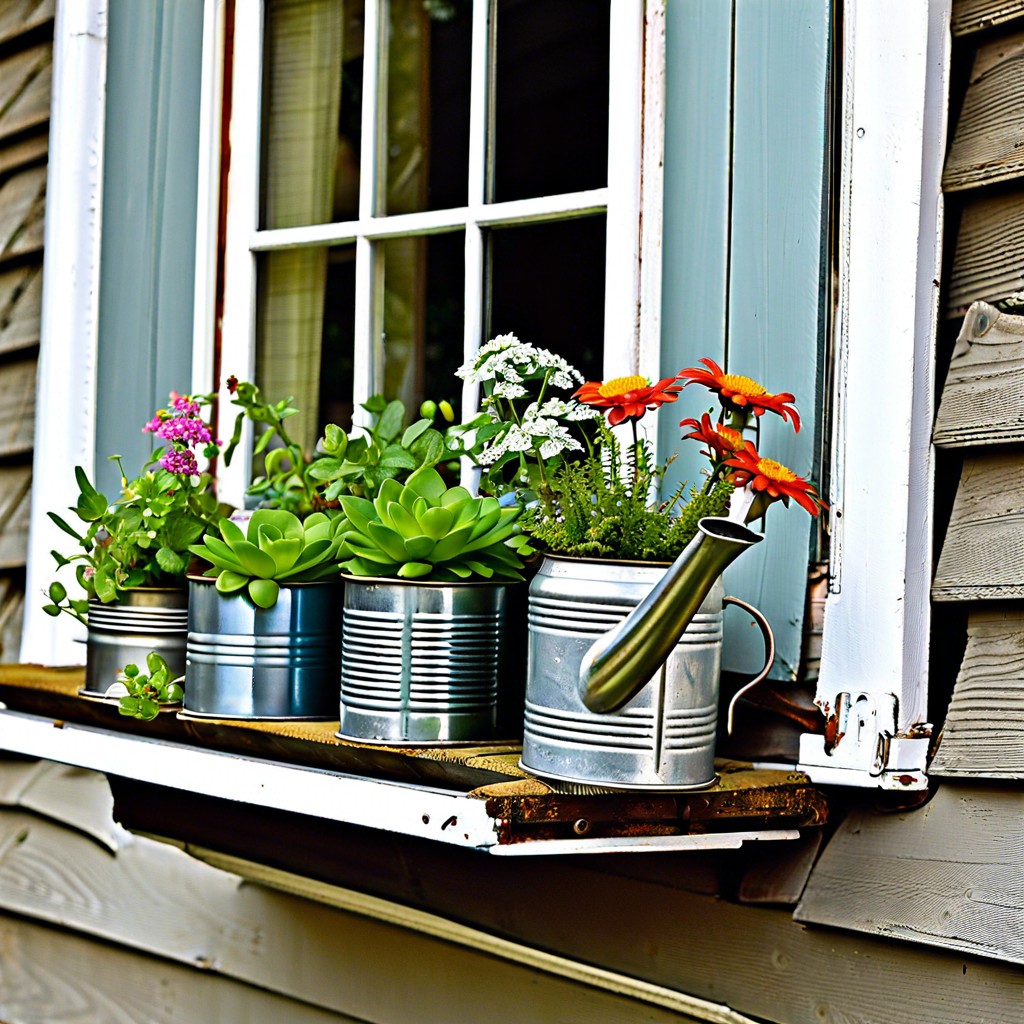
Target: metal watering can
(624, 665)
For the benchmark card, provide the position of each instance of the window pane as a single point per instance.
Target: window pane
(547, 287)
(428, 86)
(424, 309)
(551, 97)
(313, 77)
(304, 334)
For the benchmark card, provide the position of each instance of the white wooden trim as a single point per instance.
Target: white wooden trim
(208, 197)
(65, 427)
(239, 321)
(875, 641)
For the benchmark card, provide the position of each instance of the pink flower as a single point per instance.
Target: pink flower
(183, 463)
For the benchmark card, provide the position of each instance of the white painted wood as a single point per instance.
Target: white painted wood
(238, 355)
(875, 637)
(645, 844)
(208, 198)
(66, 382)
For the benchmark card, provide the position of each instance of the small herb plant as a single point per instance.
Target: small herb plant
(146, 693)
(276, 547)
(141, 539)
(424, 530)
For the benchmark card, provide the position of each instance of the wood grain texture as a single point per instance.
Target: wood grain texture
(21, 304)
(947, 875)
(15, 501)
(51, 975)
(25, 82)
(985, 142)
(22, 208)
(983, 553)
(986, 261)
(17, 404)
(983, 735)
(20, 16)
(12, 609)
(983, 397)
(974, 15)
(194, 914)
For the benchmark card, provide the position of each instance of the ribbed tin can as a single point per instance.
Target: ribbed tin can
(266, 663)
(122, 633)
(664, 737)
(420, 662)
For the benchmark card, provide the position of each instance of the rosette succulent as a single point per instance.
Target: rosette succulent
(422, 529)
(276, 547)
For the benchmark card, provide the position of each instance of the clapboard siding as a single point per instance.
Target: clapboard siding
(22, 209)
(18, 17)
(983, 397)
(15, 500)
(17, 406)
(12, 607)
(988, 262)
(21, 299)
(984, 731)
(25, 81)
(947, 875)
(983, 553)
(974, 15)
(986, 141)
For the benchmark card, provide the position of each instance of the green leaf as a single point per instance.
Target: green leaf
(419, 548)
(437, 522)
(103, 584)
(396, 457)
(414, 431)
(60, 559)
(264, 593)
(480, 568)
(325, 469)
(51, 609)
(375, 404)
(387, 540)
(64, 526)
(262, 442)
(415, 570)
(284, 552)
(170, 561)
(155, 663)
(451, 545)
(228, 582)
(215, 551)
(427, 482)
(429, 449)
(287, 522)
(57, 592)
(403, 521)
(389, 426)
(173, 693)
(335, 440)
(254, 561)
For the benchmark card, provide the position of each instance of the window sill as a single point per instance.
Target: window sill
(472, 797)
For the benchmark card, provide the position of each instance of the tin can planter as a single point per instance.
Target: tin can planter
(664, 736)
(421, 662)
(263, 663)
(123, 632)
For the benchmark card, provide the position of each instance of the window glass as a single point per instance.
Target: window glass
(550, 97)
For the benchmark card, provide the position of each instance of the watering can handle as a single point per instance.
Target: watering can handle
(769, 654)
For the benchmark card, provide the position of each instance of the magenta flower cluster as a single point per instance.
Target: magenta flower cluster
(183, 427)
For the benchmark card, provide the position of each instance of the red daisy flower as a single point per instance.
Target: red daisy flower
(774, 479)
(722, 441)
(628, 398)
(741, 392)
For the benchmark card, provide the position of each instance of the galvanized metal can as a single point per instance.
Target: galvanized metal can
(664, 737)
(122, 633)
(266, 663)
(421, 661)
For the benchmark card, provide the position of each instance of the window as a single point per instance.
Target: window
(408, 179)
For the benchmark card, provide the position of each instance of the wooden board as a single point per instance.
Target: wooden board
(983, 553)
(947, 875)
(987, 262)
(25, 82)
(22, 208)
(20, 16)
(12, 608)
(15, 502)
(17, 403)
(983, 735)
(985, 141)
(21, 307)
(983, 397)
(974, 15)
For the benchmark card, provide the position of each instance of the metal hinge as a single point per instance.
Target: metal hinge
(862, 746)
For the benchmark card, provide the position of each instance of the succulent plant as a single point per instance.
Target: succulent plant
(276, 547)
(143, 694)
(423, 529)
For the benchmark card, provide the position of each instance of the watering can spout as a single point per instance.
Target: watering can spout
(620, 663)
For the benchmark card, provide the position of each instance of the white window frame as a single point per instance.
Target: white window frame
(633, 263)
(874, 664)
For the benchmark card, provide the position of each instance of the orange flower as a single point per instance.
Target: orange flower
(628, 398)
(774, 479)
(721, 440)
(741, 392)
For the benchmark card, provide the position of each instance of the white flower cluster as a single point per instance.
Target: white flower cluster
(571, 411)
(538, 432)
(508, 361)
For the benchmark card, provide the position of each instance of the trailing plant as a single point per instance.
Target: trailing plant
(146, 693)
(424, 530)
(142, 538)
(276, 547)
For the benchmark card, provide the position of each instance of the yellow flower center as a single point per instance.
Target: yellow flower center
(621, 385)
(742, 385)
(776, 471)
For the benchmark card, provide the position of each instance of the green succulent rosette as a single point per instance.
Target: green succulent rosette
(276, 547)
(424, 530)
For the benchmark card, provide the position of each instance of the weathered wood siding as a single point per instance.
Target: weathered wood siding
(974, 15)
(26, 54)
(983, 735)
